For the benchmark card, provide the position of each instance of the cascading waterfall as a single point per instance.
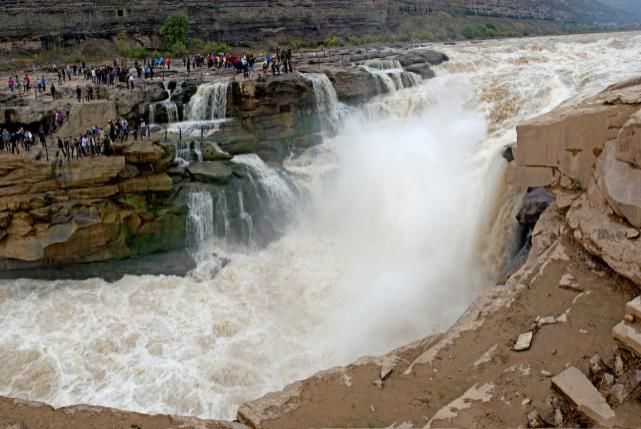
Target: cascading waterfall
(168, 105)
(247, 219)
(189, 150)
(279, 191)
(383, 64)
(326, 101)
(390, 76)
(200, 219)
(209, 102)
(398, 239)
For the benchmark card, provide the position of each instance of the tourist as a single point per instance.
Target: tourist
(59, 119)
(42, 135)
(53, 92)
(131, 81)
(11, 84)
(79, 94)
(28, 140)
(143, 129)
(275, 68)
(77, 147)
(124, 127)
(6, 139)
(61, 148)
(68, 149)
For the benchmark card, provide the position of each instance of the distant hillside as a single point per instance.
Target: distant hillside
(40, 25)
(630, 6)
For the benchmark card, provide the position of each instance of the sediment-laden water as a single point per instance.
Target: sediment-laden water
(405, 220)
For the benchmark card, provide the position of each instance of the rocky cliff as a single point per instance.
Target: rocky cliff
(589, 154)
(89, 210)
(44, 24)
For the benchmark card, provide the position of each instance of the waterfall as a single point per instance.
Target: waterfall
(222, 212)
(390, 76)
(209, 102)
(168, 105)
(200, 219)
(381, 64)
(326, 101)
(280, 192)
(247, 219)
(189, 150)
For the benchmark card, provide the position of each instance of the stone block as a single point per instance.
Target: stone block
(577, 388)
(628, 337)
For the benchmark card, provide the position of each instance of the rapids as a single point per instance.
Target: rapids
(406, 220)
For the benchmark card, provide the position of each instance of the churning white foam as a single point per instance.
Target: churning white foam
(405, 203)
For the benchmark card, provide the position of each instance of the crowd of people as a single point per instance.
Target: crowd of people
(118, 71)
(97, 141)
(23, 139)
(279, 63)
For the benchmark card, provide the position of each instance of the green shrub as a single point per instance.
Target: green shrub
(333, 41)
(178, 49)
(174, 30)
(468, 33)
(129, 49)
(75, 57)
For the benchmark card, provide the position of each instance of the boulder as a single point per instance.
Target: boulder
(211, 171)
(620, 184)
(533, 205)
(422, 69)
(236, 141)
(422, 56)
(605, 237)
(156, 91)
(507, 152)
(353, 85)
(212, 152)
(147, 154)
(628, 147)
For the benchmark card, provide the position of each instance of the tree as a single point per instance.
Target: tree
(178, 49)
(174, 30)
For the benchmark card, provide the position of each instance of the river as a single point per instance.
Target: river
(406, 220)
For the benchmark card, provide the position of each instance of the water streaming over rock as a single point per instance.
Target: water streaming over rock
(326, 102)
(200, 220)
(280, 192)
(209, 102)
(168, 106)
(407, 221)
(390, 76)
